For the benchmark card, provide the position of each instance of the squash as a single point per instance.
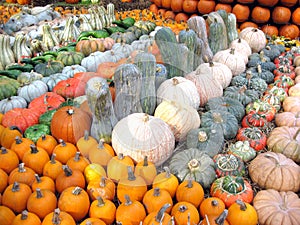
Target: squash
(11, 103)
(127, 81)
(193, 164)
(243, 150)
(100, 103)
(229, 164)
(8, 87)
(241, 46)
(290, 119)
(282, 207)
(255, 38)
(242, 213)
(147, 65)
(180, 118)
(70, 58)
(242, 94)
(147, 135)
(280, 172)
(48, 68)
(216, 31)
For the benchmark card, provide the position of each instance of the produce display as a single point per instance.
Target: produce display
(118, 116)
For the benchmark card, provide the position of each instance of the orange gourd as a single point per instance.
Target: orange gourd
(296, 16)
(216, 220)
(268, 3)
(270, 30)
(289, 3)
(117, 167)
(43, 182)
(242, 12)
(92, 221)
(75, 201)
(9, 160)
(26, 218)
(103, 187)
(206, 6)
(47, 142)
(53, 167)
(8, 136)
(85, 143)
(281, 15)
(176, 5)
(224, 6)
(103, 209)
(21, 145)
(247, 24)
(58, 217)
(166, 4)
(42, 202)
(3, 180)
(22, 174)
(64, 151)
(78, 162)
(185, 213)
(289, 31)
(101, 153)
(181, 17)
(6, 215)
(242, 213)
(211, 206)
(159, 217)
(145, 169)
(190, 6)
(260, 14)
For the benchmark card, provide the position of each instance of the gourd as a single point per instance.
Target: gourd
(185, 212)
(155, 198)
(193, 164)
(50, 39)
(146, 63)
(26, 217)
(259, 72)
(181, 118)
(100, 103)
(229, 164)
(33, 90)
(20, 48)
(58, 217)
(206, 139)
(241, 46)
(242, 213)
(252, 83)
(232, 32)
(11, 103)
(70, 31)
(243, 150)
(215, 36)
(70, 58)
(179, 89)
(255, 38)
(127, 81)
(8, 87)
(7, 57)
(103, 209)
(147, 135)
(242, 94)
(70, 71)
(280, 172)
(48, 68)
(27, 77)
(53, 79)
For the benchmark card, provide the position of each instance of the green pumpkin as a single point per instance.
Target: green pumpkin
(242, 94)
(70, 58)
(229, 164)
(258, 72)
(226, 104)
(272, 51)
(46, 117)
(193, 164)
(221, 120)
(48, 68)
(243, 150)
(127, 37)
(207, 139)
(53, 79)
(261, 59)
(216, 31)
(8, 87)
(253, 83)
(36, 131)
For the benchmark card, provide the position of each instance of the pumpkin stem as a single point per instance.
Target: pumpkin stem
(130, 172)
(33, 149)
(100, 201)
(77, 157)
(43, 137)
(15, 128)
(37, 178)
(262, 56)
(103, 181)
(86, 135)
(161, 213)
(190, 183)
(55, 219)
(146, 118)
(221, 219)
(182, 208)
(67, 170)
(52, 159)
(77, 190)
(15, 187)
(175, 81)
(232, 51)
(38, 193)
(62, 142)
(167, 171)
(101, 144)
(242, 204)
(127, 200)
(18, 140)
(273, 157)
(156, 192)
(296, 134)
(120, 156)
(202, 136)
(24, 215)
(146, 163)
(214, 203)
(88, 222)
(4, 150)
(259, 69)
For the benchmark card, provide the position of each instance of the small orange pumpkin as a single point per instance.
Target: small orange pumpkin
(22, 174)
(6, 215)
(103, 187)
(52, 168)
(103, 209)
(9, 160)
(26, 218)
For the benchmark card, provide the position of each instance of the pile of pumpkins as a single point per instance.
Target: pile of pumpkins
(148, 127)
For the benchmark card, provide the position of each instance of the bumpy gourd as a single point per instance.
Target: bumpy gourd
(100, 103)
(127, 80)
(146, 62)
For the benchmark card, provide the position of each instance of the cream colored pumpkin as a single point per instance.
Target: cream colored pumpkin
(219, 71)
(233, 59)
(277, 208)
(139, 134)
(255, 37)
(290, 119)
(296, 61)
(179, 89)
(241, 46)
(297, 71)
(180, 117)
(294, 90)
(291, 104)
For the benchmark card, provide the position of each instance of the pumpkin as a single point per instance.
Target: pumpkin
(8, 87)
(282, 207)
(130, 212)
(76, 121)
(190, 191)
(243, 150)
(228, 164)
(185, 212)
(43, 182)
(291, 104)
(92, 220)
(44, 198)
(285, 140)
(8, 135)
(181, 118)
(158, 217)
(48, 68)
(32, 90)
(141, 146)
(34, 132)
(53, 79)
(70, 58)
(189, 164)
(178, 89)
(146, 169)
(289, 30)
(47, 142)
(103, 209)
(216, 220)
(9, 158)
(270, 30)
(102, 187)
(155, 198)
(46, 101)
(132, 185)
(231, 188)
(255, 38)
(281, 173)
(223, 120)
(11, 103)
(71, 70)
(211, 206)
(22, 174)
(86, 47)
(290, 119)
(78, 162)
(26, 217)
(70, 88)
(242, 213)
(7, 215)
(101, 153)
(295, 16)
(3, 181)
(58, 217)
(118, 165)
(15, 196)
(241, 11)
(75, 201)
(254, 136)
(206, 139)
(93, 171)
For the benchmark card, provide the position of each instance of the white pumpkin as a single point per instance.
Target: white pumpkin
(53, 79)
(181, 118)
(71, 70)
(139, 134)
(255, 37)
(179, 89)
(11, 103)
(220, 72)
(233, 59)
(241, 46)
(33, 90)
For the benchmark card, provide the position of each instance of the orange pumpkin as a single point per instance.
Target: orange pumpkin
(21, 145)
(206, 6)
(270, 30)
(6, 215)
(102, 187)
(103, 209)
(47, 142)
(52, 168)
(242, 12)
(268, 3)
(176, 5)
(224, 6)
(289, 30)
(58, 217)
(78, 162)
(24, 2)
(211, 206)
(181, 17)
(89, 46)
(296, 16)
(185, 213)
(8, 136)
(26, 218)
(9, 160)
(43, 182)
(3, 180)
(190, 6)
(260, 14)
(22, 174)
(247, 24)
(281, 15)
(289, 3)
(155, 198)
(166, 4)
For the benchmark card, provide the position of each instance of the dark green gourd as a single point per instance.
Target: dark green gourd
(100, 103)
(146, 63)
(215, 31)
(127, 79)
(232, 32)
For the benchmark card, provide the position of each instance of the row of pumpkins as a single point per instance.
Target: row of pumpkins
(157, 105)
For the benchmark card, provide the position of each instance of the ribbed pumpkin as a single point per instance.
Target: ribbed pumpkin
(154, 138)
(255, 38)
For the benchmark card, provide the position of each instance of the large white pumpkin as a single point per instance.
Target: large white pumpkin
(139, 134)
(179, 89)
(181, 117)
(255, 37)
